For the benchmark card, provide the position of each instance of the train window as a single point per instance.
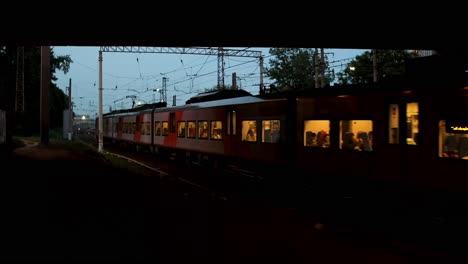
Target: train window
(393, 124)
(143, 129)
(356, 135)
(270, 131)
(157, 128)
(412, 123)
(133, 128)
(203, 129)
(453, 139)
(165, 128)
(317, 133)
(181, 128)
(234, 122)
(191, 129)
(216, 130)
(249, 130)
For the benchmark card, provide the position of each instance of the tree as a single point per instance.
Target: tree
(360, 70)
(28, 121)
(293, 67)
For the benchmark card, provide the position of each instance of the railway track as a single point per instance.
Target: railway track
(162, 168)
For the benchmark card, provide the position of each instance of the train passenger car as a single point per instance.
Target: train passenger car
(414, 136)
(245, 127)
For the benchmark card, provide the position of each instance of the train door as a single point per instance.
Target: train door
(231, 132)
(404, 135)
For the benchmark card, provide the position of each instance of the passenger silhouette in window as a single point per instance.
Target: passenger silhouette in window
(251, 135)
(349, 142)
(311, 138)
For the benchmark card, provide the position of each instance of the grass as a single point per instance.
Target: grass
(128, 165)
(56, 141)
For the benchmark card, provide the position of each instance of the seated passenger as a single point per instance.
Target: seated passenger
(275, 136)
(311, 138)
(267, 136)
(451, 147)
(251, 136)
(321, 136)
(363, 141)
(349, 142)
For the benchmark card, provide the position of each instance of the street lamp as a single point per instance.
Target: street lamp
(160, 94)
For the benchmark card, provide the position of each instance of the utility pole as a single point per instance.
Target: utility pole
(262, 89)
(164, 90)
(322, 68)
(220, 68)
(234, 81)
(374, 63)
(316, 67)
(100, 140)
(70, 106)
(45, 83)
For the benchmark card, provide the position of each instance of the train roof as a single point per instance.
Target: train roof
(224, 102)
(217, 95)
(215, 103)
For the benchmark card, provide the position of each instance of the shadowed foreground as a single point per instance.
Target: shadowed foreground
(59, 204)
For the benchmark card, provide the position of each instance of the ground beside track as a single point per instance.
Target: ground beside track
(63, 202)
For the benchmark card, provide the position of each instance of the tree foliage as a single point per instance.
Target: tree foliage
(293, 67)
(360, 70)
(28, 121)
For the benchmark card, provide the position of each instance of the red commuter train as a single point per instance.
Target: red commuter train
(398, 131)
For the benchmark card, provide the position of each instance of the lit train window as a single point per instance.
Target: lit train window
(191, 129)
(412, 123)
(249, 130)
(453, 139)
(356, 135)
(270, 131)
(393, 124)
(157, 128)
(165, 128)
(203, 129)
(216, 130)
(181, 128)
(317, 133)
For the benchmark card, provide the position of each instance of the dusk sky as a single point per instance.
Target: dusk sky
(127, 74)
